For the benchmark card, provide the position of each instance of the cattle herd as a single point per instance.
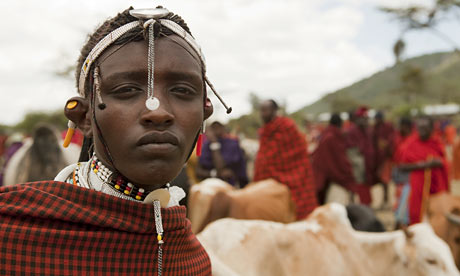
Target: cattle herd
(252, 232)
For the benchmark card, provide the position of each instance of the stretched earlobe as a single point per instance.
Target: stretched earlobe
(208, 109)
(77, 111)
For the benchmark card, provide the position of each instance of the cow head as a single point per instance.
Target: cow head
(426, 253)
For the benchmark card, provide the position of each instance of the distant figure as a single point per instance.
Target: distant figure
(283, 156)
(12, 144)
(361, 153)
(423, 156)
(330, 161)
(222, 157)
(40, 158)
(383, 140)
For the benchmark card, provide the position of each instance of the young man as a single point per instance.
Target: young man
(141, 78)
(283, 156)
(423, 156)
(330, 161)
(222, 157)
(383, 136)
(360, 143)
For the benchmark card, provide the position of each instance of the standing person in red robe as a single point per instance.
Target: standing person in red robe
(330, 161)
(360, 145)
(383, 140)
(424, 157)
(283, 156)
(114, 212)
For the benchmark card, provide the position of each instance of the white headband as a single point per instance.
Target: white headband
(151, 16)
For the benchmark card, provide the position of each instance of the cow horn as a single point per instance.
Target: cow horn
(452, 218)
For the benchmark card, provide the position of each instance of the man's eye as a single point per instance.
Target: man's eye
(127, 89)
(183, 90)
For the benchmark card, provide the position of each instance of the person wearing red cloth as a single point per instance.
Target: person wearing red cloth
(361, 152)
(383, 140)
(283, 156)
(114, 212)
(423, 156)
(330, 161)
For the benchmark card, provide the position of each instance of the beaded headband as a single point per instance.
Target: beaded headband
(151, 16)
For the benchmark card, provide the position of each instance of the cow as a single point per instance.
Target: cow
(214, 199)
(444, 216)
(323, 244)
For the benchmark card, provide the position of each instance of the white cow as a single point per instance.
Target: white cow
(324, 244)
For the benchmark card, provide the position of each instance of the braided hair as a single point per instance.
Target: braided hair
(136, 34)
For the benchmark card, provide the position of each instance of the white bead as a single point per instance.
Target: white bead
(152, 103)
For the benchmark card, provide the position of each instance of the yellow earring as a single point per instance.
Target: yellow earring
(71, 105)
(71, 125)
(68, 137)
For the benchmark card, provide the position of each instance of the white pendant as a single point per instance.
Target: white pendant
(152, 103)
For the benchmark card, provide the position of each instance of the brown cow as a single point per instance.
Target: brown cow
(444, 217)
(213, 199)
(323, 244)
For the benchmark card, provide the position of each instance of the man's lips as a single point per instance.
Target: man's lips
(157, 138)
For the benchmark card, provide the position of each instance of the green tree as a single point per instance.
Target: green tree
(418, 17)
(413, 84)
(31, 119)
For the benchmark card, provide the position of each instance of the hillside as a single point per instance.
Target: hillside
(433, 78)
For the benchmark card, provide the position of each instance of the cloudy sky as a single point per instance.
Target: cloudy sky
(294, 51)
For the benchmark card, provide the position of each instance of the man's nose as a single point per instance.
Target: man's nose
(161, 116)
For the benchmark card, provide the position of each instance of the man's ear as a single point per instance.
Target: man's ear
(208, 109)
(77, 110)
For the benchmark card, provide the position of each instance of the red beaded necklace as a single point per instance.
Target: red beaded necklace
(116, 180)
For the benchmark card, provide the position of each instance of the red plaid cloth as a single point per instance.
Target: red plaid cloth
(283, 156)
(54, 228)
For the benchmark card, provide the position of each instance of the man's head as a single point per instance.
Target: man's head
(149, 147)
(379, 117)
(405, 126)
(218, 129)
(361, 118)
(336, 120)
(268, 110)
(424, 127)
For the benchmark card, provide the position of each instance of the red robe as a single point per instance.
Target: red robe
(54, 228)
(330, 161)
(383, 139)
(415, 150)
(283, 156)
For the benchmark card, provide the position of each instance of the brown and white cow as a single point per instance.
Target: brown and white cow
(323, 244)
(444, 216)
(214, 199)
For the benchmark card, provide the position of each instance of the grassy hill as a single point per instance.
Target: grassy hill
(427, 79)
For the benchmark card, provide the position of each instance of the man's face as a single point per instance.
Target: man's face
(218, 130)
(361, 121)
(267, 111)
(424, 128)
(149, 147)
